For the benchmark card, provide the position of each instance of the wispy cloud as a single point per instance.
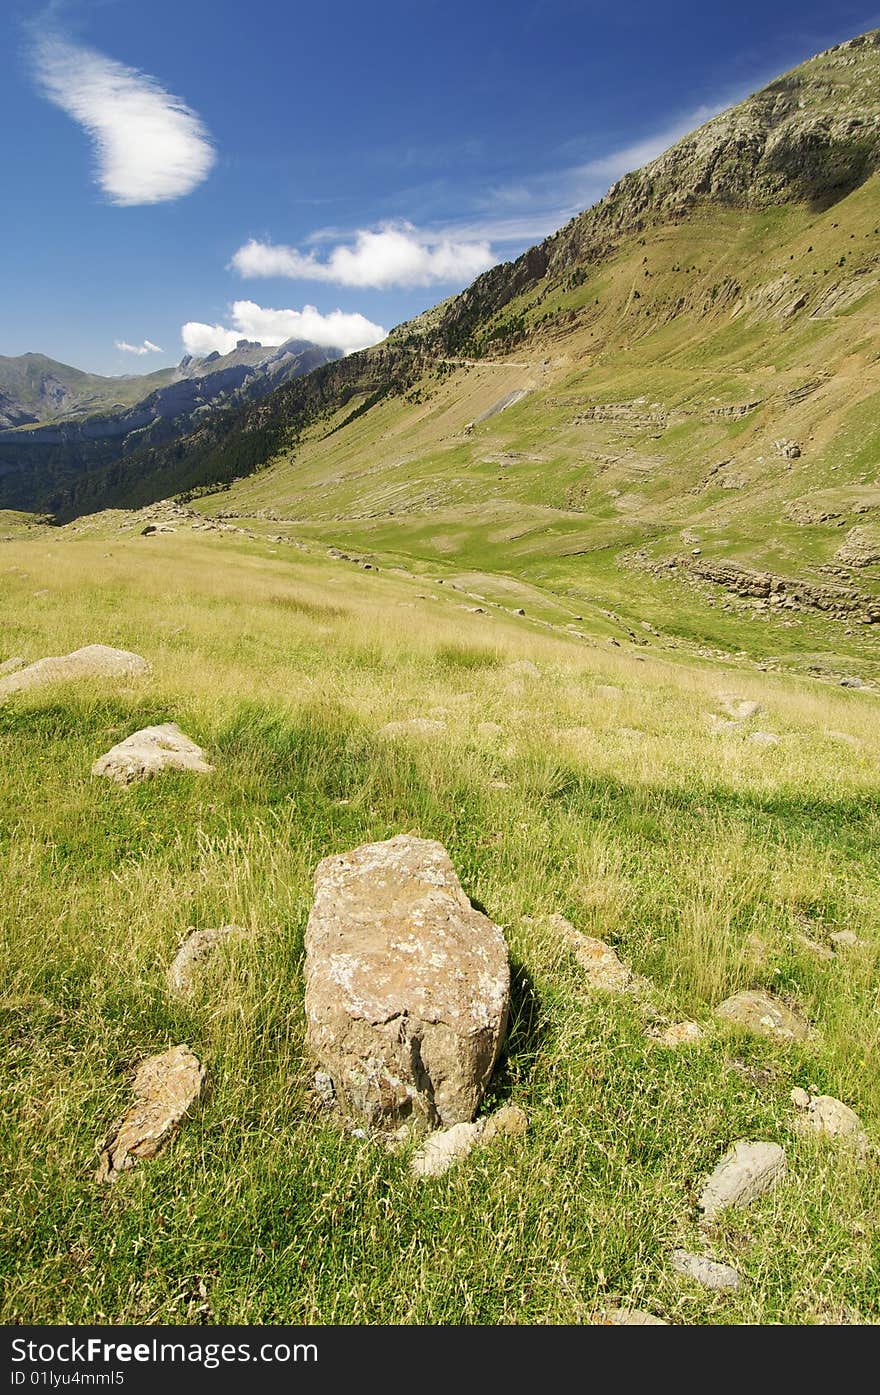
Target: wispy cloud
(148, 347)
(149, 145)
(337, 330)
(397, 254)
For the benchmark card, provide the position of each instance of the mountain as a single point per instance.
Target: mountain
(56, 422)
(681, 387)
(35, 388)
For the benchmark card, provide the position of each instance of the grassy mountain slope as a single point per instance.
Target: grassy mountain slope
(36, 388)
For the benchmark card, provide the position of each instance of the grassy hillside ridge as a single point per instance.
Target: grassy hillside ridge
(710, 862)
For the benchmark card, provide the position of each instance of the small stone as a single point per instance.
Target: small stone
(740, 708)
(628, 1317)
(814, 947)
(323, 1088)
(489, 729)
(847, 939)
(445, 1147)
(599, 961)
(164, 1088)
(189, 961)
(722, 1278)
(414, 726)
(766, 1015)
(831, 1118)
(764, 738)
(148, 752)
(519, 611)
(507, 1122)
(851, 683)
(743, 1174)
(800, 1098)
(678, 1034)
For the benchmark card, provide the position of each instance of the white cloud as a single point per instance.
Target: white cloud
(337, 330)
(149, 145)
(148, 347)
(398, 254)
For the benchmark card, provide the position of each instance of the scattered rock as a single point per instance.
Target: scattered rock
(847, 939)
(445, 1147)
(759, 1012)
(489, 729)
(789, 450)
(816, 948)
(95, 661)
(764, 738)
(12, 665)
(851, 683)
(628, 1317)
(739, 708)
(743, 1174)
(599, 961)
(407, 985)
(189, 961)
(524, 668)
(678, 1034)
(860, 547)
(708, 1272)
(507, 1122)
(164, 1088)
(830, 1118)
(147, 752)
(519, 611)
(414, 726)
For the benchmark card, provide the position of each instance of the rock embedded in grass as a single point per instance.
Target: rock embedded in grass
(628, 1317)
(445, 1147)
(188, 965)
(150, 751)
(598, 960)
(722, 1278)
(414, 726)
(830, 1118)
(760, 1012)
(678, 1034)
(165, 1088)
(94, 661)
(12, 665)
(407, 985)
(743, 1174)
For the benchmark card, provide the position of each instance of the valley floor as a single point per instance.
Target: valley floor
(564, 774)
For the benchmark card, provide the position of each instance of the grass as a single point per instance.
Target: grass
(703, 859)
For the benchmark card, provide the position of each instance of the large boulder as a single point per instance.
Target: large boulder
(95, 661)
(407, 985)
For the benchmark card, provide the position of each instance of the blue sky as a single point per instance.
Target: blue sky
(181, 173)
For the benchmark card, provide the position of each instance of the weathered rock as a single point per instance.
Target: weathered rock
(743, 1174)
(524, 668)
(739, 708)
(720, 1277)
(830, 1118)
(628, 1317)
(678, 1034)
(164, 1088)
(147, 752)
(445, 1147)
(598, 960)
(12, 665)
(816, 948)
(764, 738)
(846, 939)
(414, 726)
(759, 1012)
(95, 661)
(507, 1122)
(860, 547)
(189, 962)
(487, 730)
(407, 985)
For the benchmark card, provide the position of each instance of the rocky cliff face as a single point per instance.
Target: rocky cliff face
(812, 136)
